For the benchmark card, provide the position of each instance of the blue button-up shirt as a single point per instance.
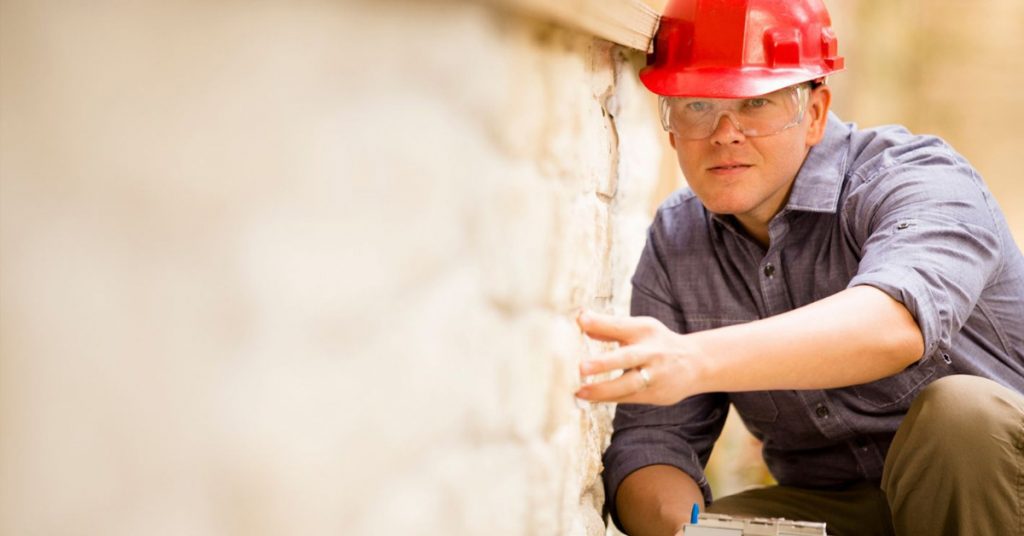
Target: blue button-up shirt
(903, 213)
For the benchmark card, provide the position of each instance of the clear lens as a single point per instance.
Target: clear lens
(697, 118)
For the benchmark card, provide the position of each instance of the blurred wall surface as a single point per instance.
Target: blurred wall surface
(308, 268)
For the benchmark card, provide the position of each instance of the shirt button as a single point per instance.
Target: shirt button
(821, 411)
(769, 270)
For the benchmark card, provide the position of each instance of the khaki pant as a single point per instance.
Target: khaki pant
(956, 466)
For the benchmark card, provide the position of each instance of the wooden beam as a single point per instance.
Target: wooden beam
(630, 23)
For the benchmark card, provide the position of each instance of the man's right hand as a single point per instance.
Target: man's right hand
(656, 500)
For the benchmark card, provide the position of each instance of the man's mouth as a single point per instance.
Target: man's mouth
(726, 168)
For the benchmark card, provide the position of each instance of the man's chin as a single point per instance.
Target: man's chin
(726, 208)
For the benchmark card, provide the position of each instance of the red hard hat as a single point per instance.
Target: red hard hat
(740, 48)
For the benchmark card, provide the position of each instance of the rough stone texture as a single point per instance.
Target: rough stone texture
(282, 269)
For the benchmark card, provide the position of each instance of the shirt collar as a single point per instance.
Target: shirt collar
(820, 180)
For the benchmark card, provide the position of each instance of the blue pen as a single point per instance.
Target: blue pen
(694, 512)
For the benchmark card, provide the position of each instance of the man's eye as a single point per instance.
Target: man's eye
(698, 106)
(759, 102)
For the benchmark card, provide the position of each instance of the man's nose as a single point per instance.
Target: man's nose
(727, 130)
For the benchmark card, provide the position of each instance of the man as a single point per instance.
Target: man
(856, 295)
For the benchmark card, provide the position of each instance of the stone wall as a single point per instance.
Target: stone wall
(308, 269)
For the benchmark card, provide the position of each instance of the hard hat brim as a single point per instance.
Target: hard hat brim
(725, 83)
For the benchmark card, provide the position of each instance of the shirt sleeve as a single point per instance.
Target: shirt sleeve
(681, 435)
(929, 240)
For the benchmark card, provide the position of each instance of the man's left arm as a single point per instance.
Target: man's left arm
(856, 336)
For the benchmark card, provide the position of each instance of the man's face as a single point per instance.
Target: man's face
(750, 176)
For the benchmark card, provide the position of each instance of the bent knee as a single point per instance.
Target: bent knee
(963, 406)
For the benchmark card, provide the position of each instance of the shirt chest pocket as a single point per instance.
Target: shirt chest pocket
(896, 391)
(756, 407)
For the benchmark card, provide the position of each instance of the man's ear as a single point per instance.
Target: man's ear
(672, 139)
(817, 110)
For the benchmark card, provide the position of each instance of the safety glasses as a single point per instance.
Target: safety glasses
(695, 118)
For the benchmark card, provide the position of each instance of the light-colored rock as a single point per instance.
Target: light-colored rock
(308, 269)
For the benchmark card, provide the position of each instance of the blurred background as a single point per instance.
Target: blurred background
(312, 267)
